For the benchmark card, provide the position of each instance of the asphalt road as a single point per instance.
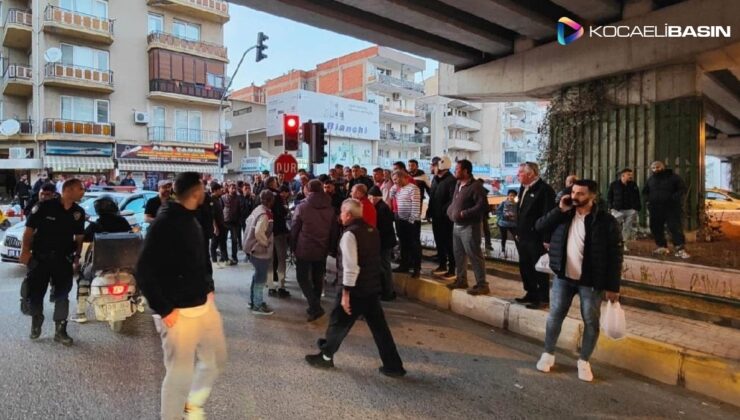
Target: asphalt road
(457, 369)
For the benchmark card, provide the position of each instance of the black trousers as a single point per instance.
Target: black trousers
(442, 230)
(409, 237)
(310, 276)
(218, 242)
(56, 270)
(504, 232)
(536, 284)
(369, 307)
(234, 230)
(670, 215)
(486, 231)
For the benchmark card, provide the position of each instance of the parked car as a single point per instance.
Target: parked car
(131, 205)
(719, 199)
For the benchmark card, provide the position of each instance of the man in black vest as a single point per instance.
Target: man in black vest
(536, 199)
(359, 267)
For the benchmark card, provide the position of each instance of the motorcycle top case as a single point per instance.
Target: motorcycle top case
(116, 251)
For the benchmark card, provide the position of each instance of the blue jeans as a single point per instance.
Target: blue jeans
(561, 297)
(261, 265)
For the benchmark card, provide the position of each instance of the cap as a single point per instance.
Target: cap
(164, 182)
(435, 160)
(375, 192)
(444, 163)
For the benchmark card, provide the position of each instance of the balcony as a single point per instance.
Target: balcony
(18, 80)
(79, 128)
(515, 108)
(78, 25)
(18, 29)
(409, 116)
(175, 43)
(184, 92)
(210, 10)
(465, 145)
(78, 77)
(461, 123)
(26, 128)
(182, 135)
(518, 126)
(393, 137)
(389, 84)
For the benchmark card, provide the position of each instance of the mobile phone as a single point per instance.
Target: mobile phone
(568, 201)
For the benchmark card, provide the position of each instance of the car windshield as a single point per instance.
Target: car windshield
(88, 204)
(734, 195)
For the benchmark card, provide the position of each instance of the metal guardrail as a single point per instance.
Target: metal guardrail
(185, 88)
(89, 128)
(396, 82)
(79, 19)
(188, 44)
(19, 17)
(182, 135)
(401, 137)
(81, 73)
(18, 71)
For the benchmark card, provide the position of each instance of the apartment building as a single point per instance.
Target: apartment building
(247, 136)
(104, 86)
(377, 75)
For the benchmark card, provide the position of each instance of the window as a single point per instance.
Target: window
(255, 144)
(156, 23)
(278, 143)
(511, 158)
(214, 80)
(242, 111)
(97, 8)
(136, 205)
(76, 108)
(73, 55)
(186, 30)
(187, 126)
(157, 127)
(715, 196)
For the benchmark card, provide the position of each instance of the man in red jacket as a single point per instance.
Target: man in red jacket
(369, 214)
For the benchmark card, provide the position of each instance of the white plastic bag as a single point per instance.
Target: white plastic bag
(613, 322)
(543, 264)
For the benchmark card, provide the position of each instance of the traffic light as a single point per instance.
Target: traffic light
(317, 143)
(291, 125)
(307, 130)
(261, 47)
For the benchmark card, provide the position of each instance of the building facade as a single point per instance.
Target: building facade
(100, 86)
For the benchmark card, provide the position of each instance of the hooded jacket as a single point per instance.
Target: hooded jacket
(258, 237)
(314, 228)
(171, 270)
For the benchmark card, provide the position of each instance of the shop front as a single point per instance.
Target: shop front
(82, 160)
(149, 164)
(16, 161)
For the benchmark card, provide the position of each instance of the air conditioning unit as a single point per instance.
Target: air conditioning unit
(396, 96)
(141, 117)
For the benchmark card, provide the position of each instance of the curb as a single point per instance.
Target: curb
(699, 372)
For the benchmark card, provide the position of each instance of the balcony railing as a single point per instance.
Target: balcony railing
(216, 10)
(78, 20)
(180, 43)
(26, 126)
(185, 88)
(18, 72)
(182, 135)
(82, 128)
(79, 73)
(396, 82)
(19, 17)
(401, 137)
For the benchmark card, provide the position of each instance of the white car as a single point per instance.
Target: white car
(131, 205)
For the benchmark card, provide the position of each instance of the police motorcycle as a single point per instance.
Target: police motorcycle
(107, 283)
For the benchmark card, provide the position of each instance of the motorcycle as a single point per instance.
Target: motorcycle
(113, 292)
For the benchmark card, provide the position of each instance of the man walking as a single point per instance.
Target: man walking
(468, 204)
(623, 199)
(440, 198)
(586, 257)
(387, 241)
(173, 276)
(406, 199)
(232, 220)
(359, 260)
(536, 198)
(664, 195)
(258, 247)
(311, 234)
(23, 191)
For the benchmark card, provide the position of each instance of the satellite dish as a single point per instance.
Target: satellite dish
(425, 130)
(228, 125)
(53, 55)
(10, 127)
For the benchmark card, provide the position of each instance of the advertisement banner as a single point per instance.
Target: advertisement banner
(341, 117)
(178, 154)
(78, 148)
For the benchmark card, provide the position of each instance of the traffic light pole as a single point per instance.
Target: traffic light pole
(221, 138)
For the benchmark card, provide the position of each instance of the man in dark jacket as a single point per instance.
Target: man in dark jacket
(387, 241)
(218, 244)
(280, 234)
(623, 199)
(664, 195)
(232, 220)
(440, 198)
(23, 191)
(248, 203)
(468, 204)
(330, 188)
(359, 178)
(359, 266)
(536, 199)
(586, 257)
(173, 276)
(128, 181)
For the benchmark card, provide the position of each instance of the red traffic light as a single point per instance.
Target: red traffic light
(291, 126)
(291, 122)
(218, 148)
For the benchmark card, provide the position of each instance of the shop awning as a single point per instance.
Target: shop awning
(147, 166)
(21, 164)
(78, 163)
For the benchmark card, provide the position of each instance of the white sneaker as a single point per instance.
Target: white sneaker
(193, 412)
(682, 254)
(546, 362)
(626, 249)
(661, 251)
(80, 318)
(584, 371)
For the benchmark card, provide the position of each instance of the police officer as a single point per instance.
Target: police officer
(52, 243)
(109, 221)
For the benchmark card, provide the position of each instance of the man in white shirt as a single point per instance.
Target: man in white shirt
(406, 204)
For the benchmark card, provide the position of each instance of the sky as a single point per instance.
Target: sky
(291, 45)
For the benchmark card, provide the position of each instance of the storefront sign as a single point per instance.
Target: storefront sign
(179, 154)
(78, 148)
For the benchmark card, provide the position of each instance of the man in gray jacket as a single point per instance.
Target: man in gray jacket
(468, 205)
(312, 231)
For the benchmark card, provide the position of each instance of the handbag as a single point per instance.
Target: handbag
(614, 322)
(543, 264)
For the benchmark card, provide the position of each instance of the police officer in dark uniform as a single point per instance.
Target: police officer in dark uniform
(52, 243)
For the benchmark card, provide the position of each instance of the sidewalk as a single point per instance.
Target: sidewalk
(699, 356)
